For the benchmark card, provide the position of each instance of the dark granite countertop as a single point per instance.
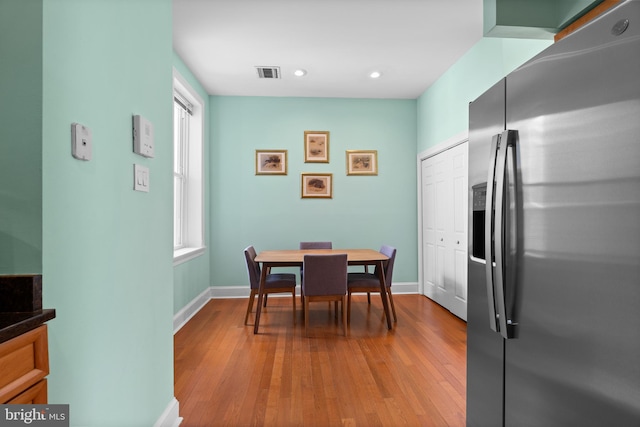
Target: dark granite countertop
(13, 324)
(21, 305)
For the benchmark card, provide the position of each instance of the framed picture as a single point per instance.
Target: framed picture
(317, 185)
(316, 146)
(362, 162)
(271, 162)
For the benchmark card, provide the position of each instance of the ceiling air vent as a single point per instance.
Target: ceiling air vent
(268, 72)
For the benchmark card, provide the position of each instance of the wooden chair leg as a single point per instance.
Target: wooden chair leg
(306, 317)
(349, 308)
(250, 306)
(393, 307)
(293, 299)
(344, 318)
(369, 298)
(265, 300)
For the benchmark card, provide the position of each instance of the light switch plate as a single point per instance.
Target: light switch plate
(140, 178)
(142, 136)
(81, 142)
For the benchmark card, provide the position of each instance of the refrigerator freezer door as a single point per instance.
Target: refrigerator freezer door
(485, 348)
(576, 108)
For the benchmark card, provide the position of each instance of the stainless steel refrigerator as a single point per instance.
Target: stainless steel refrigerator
(554, 266)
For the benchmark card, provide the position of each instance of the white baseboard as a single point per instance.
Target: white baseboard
(188, 311)
(171, 415)
(183, 316)
(405, 288)
(230, 291)
(243, 291)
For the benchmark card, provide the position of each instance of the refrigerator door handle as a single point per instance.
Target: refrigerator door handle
(489, 232)
(507, 140)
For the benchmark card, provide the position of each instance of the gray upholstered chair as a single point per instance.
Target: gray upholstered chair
(325, 279)
(315, 245)
(370, 282)
(274, 282)
(312, 245)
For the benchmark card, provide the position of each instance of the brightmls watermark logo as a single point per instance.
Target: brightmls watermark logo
(34, 415)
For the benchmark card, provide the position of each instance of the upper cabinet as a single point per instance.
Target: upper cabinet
(539, 19)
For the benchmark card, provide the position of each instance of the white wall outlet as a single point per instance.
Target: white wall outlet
(142, 136)
(81, 141)
(140, 178)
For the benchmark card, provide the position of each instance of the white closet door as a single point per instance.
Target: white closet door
(429, 226)
(458, 246)
(443, 203)
(444, 225)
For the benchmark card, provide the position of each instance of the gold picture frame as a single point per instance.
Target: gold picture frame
(362, 162)
(271, 162)
(316, 146)
(316, 185)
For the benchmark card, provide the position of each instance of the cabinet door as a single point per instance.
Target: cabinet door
(24, 360)
(34, 395)
(444, 213)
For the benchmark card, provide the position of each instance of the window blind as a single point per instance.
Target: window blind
(183, 102)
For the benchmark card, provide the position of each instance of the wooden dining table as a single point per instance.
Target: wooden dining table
(295, 258)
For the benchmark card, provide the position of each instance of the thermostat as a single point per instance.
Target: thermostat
(142, 136)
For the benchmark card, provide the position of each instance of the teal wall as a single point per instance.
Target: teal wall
(268, 212)
(443, 109)
(107, 250)
(192, 277)
(20, 136)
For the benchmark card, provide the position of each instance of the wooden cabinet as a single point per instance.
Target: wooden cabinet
(24, 364)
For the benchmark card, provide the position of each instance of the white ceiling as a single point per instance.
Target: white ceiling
(338, 43)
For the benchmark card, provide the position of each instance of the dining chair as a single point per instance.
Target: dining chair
(370, 282)
(274, 282)
(325, 279)
(315, 245)
(311, 245)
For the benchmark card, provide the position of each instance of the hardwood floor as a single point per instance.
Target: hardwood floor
(414, 375)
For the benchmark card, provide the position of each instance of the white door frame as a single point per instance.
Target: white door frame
(457, 139)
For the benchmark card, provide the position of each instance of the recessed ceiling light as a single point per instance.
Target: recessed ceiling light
(375, 74)
(300, 72)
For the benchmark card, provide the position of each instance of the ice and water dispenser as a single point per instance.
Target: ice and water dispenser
(478, 220)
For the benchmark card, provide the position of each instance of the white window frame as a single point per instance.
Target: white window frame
(193, 199)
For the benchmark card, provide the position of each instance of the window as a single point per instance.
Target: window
(188, 188)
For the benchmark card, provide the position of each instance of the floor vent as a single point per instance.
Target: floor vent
(268, 72)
